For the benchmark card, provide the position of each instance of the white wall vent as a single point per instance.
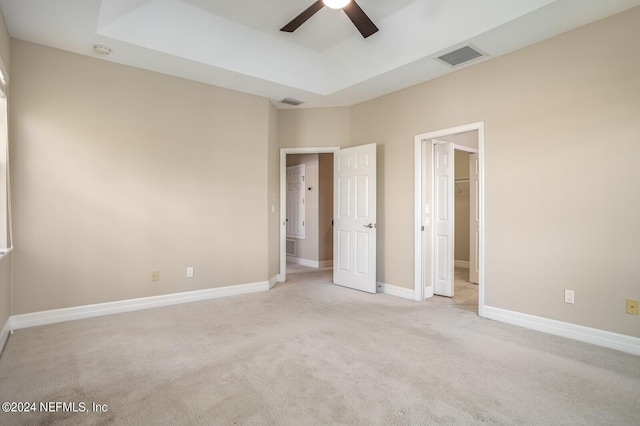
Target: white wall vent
(461, 56)
(291, 247)
(291, 101)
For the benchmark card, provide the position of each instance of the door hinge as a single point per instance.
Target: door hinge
(423, 229)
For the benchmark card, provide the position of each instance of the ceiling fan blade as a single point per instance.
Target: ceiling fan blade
(302, 18)
(360, 19)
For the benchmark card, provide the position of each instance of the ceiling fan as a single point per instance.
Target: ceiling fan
(350, 7)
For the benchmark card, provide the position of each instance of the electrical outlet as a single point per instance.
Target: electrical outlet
(190, 272)
(155, 276)
(569, 296)
(632, 307)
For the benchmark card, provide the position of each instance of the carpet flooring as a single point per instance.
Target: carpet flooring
(312, 353)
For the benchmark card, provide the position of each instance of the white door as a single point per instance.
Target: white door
(474, 217)
(443, 218)
(354, 213)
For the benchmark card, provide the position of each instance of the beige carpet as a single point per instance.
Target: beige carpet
(311, 353)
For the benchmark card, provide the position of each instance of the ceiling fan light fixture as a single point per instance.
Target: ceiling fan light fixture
(336, 4)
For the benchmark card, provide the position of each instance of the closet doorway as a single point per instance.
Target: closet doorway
(442, 252)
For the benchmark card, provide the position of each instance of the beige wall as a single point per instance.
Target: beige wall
(561, 147)
(561, 140)
(273, 205)
(119, 172)
(321, 127)
(325, 205)
(5, 262)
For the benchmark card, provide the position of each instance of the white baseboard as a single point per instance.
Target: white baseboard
(393, 290)
(88, 311)
(428, 291)
(461, 263)
(273, 281)
(594, 336)
(4, 334)
(310, 263)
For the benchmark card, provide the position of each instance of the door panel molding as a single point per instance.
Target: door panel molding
(355, 216)
(442, 202)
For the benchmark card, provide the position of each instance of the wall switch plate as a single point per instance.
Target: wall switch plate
(569, 296)
(632, 307)
(190, 272)
(155, 276)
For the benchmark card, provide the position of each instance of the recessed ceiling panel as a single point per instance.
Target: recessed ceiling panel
(325, 29)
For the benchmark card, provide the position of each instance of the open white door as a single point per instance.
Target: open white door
(354, 212)
(474, 218)
(443, 218)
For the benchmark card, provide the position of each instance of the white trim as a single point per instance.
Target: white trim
(4, 334)
(4, 79)
(5, 252)
(483, 235)
(304, 262)
(422, 291)
(283, 198)
(428, 291)
(310, 263)
(418, 215)
(465, 148)
(273, 281)
(88, 311)
(461, 264)
(594, 336)
(394, 290)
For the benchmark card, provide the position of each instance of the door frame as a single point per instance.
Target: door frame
(282, 276)
(421, 144)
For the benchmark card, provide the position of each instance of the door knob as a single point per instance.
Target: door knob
(370, 226)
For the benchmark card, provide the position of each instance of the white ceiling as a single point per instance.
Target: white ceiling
(237, 43)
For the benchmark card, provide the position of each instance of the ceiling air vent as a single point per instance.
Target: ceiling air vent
(291, 101)
(461, 56)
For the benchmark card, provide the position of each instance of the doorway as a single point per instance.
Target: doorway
(435, 266)
(465, 281)
(354, 214)
(309, 213)
(285, 153)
